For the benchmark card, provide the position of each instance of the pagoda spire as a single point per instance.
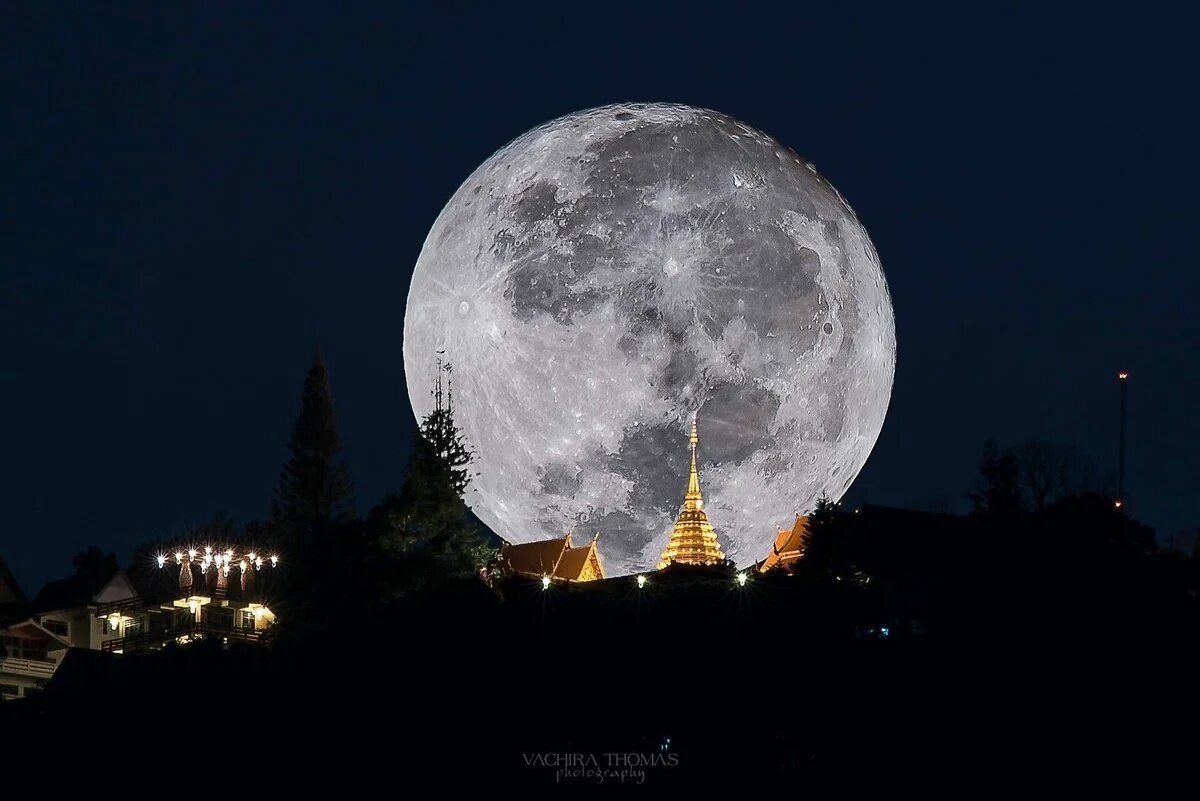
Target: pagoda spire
(693, 499)
(693, 540)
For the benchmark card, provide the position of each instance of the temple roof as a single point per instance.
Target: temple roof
(788, 547)
(792, 540)
(573, 562)
(535, 558)
(556, 558)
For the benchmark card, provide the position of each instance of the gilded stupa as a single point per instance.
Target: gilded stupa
(693, 541)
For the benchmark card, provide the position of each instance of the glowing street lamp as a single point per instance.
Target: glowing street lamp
(545, 582)
(741, 579)
(641, 581)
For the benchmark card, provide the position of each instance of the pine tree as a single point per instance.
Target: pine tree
(314, 490)
(445, 442)
(825, 542)
(426, 532)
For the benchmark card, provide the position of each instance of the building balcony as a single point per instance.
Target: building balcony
(185, 633)
(117, 607)
(18, 666)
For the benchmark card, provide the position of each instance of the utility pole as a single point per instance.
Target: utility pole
(1123, 380)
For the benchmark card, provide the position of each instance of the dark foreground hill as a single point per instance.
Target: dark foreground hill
(692, 680)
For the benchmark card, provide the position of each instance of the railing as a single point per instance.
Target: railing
(123, 605)
(27, 667)
(147, 639)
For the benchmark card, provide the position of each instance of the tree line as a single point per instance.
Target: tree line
(1036, 506)
(1040, 500)
(419, 536)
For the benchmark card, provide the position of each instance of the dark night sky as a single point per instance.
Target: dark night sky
(193, 194)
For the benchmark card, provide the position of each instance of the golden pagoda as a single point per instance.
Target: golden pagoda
(693, 541)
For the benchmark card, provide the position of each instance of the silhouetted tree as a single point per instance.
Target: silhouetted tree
(94, 566)
(998, 492)
(828, 545)
(425, 532)
(1044, 471)
(1049, 473)
(447, 455)
(314, 488)
(218, 530)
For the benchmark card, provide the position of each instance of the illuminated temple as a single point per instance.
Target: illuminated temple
(788, 549)
(693, 540)
(554, 560)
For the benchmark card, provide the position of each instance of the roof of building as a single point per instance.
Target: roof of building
(32, 630)
(64, 594)
(535, 558)
(78, 591)
(574, 560)
(555, 558)
(789, 545)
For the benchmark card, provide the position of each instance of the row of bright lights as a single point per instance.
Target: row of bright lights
(222, 561)
(740, 579)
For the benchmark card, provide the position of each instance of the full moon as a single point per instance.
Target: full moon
(609, 273)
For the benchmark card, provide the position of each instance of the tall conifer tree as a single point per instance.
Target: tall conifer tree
(314, 488)
(426, 529)
(444, 441)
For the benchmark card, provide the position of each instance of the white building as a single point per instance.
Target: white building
(29, 655)
(211, 597)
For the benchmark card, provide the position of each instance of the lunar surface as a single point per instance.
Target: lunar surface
(605, 275)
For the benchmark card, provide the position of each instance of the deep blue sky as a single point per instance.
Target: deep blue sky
(193, 194)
